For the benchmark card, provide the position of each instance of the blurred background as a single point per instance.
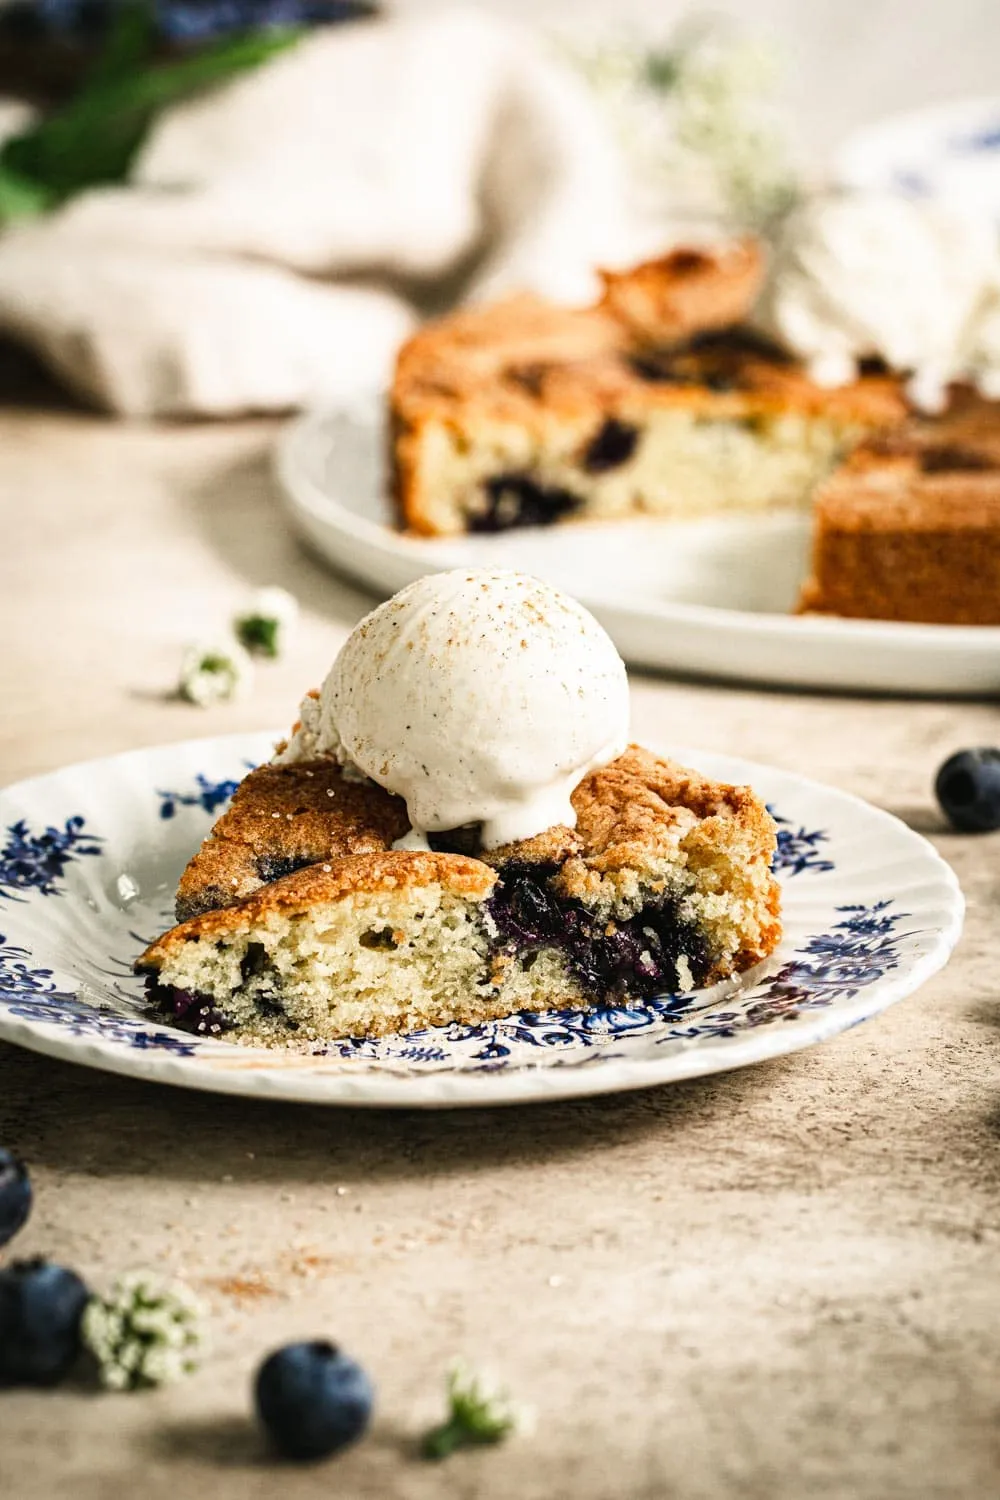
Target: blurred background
(843, 63)
(212, 207)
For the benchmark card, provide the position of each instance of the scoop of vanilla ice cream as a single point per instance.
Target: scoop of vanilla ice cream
(478, 697)
(983, 354)
(864, 274)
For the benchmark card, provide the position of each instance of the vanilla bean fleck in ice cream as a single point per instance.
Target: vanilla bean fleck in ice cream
(479, 697)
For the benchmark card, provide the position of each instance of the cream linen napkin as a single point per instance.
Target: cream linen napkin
(398, 152)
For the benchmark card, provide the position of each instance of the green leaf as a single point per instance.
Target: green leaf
(258, 633)
(129, 44)
(475, 1417)
(661, 70)
(21, 197)
(94, 138)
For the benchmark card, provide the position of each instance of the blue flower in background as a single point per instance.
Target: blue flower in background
(193, 21)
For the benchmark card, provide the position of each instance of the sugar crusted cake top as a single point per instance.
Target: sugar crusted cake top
(664, 334)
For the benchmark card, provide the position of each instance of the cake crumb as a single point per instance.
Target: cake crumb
(249, 1287)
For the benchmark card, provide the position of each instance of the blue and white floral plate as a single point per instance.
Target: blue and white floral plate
(91, 856)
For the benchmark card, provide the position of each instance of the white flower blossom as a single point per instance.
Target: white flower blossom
(144, 1333)
(700, 108)
(214, 672)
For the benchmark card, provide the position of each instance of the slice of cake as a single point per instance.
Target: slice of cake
(652, 403)
(664, 884)
(456, 830)
(909, 528)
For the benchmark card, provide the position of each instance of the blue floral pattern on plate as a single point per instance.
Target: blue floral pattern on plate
(798, 849)
(985, 140)
(210, 795)
(33, 995)
(850, 945)
(37, 861)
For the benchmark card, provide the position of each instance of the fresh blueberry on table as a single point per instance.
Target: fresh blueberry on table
(15, 1195)
(968, 789)
(41, 1306)
(312, 1400)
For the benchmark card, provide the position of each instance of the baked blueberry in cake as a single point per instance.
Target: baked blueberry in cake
(657, 401)
(474, 837)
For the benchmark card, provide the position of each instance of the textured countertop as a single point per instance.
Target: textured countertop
(779, 1283)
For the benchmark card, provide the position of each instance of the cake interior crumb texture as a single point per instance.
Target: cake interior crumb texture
(680, 464)
(664, 885)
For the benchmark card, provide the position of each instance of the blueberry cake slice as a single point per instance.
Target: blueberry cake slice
(665, 884)
(656, 401)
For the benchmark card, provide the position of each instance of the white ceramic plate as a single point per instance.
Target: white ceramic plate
(91, 856)
(708, 597)
(949, 151)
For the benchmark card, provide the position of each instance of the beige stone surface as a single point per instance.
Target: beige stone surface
(780, 1283)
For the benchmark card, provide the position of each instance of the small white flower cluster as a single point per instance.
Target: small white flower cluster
(695, 113)
(722, 115)
(220, 671)
(215, 672)
(145, 1333)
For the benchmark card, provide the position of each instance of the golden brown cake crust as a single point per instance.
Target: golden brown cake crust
(630, 806)
(909, 528)
(282, 816)
(521, 359)
(630, 800)
(685, 292)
